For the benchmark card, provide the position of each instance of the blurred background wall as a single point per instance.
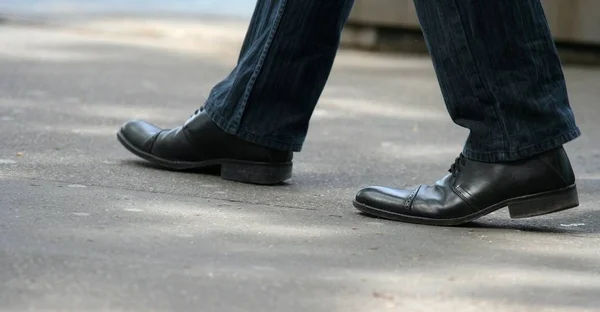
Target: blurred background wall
(379, 25)
(225, 7)
(570, 20)
(393, 25)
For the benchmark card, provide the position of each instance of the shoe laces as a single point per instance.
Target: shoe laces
(197, 111)
(459, 162)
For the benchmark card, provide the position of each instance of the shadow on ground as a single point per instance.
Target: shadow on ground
(87, 226)
(98, 242)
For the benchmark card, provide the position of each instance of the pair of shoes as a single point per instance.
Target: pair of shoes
(531, 187)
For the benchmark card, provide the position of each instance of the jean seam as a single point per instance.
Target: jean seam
(259, 65)
(501, 122)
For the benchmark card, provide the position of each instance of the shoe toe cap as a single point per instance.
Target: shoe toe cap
(138, 132)
(384, 198)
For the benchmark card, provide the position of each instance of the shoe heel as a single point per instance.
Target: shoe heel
(545, 203)
(256, 173)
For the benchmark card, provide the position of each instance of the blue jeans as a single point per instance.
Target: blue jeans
(495, 60)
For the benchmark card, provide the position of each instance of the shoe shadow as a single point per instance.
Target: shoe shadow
(532, 226)
(517, 226)
(553, 226)
(214, 171)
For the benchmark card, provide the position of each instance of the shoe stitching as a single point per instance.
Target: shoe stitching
(463, 195)
(410, 199)
(152, 140)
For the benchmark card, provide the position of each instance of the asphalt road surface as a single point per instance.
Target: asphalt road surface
(85, 226)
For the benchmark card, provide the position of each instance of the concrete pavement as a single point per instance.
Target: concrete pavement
(86, 226)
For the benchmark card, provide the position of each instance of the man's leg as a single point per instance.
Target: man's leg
(289, 50)
(500, 75)
(258, 116)
(501, 78)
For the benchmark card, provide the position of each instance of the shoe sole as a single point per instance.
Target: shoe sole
(262, 173)
(518, 207)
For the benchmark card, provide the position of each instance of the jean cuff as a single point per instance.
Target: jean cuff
(294, 145)
(525, 152)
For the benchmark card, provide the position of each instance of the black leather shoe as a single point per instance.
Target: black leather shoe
(539, 185)
(200, 144)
